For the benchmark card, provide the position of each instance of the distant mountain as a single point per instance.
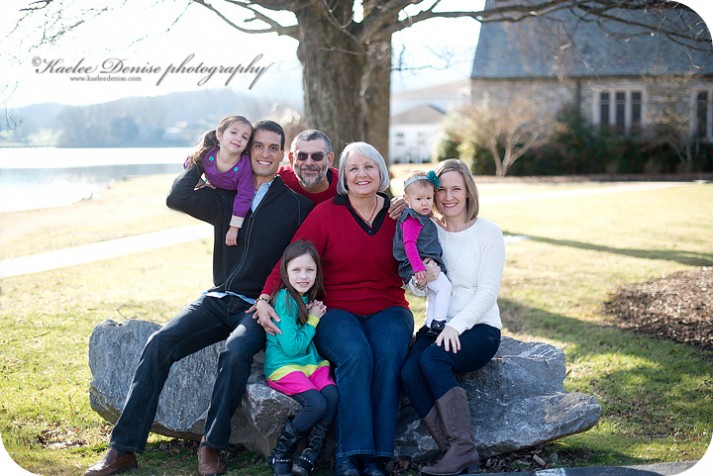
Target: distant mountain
(43, 116)
(171, 119)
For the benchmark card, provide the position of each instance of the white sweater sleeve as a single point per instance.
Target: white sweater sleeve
(475, 300)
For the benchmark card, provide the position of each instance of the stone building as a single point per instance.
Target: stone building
(614, 74)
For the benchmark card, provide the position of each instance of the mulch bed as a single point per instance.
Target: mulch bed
(677, 307)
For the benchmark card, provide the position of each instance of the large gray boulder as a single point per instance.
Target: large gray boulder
(517, 400)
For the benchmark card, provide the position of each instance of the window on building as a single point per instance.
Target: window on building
(400, 139)
(704, 124)
(604, 109)
(636, 111)
(621, 110)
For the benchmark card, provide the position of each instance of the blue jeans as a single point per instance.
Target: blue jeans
(317, 406)
(428, 373)
(367, 353)
(204, 322)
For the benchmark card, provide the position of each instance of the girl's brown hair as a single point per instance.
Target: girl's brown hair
(293, 250)
(210, 139)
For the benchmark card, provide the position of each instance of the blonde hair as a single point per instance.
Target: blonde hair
(472, 205)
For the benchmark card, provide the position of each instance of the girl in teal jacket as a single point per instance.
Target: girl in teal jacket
(292, 364)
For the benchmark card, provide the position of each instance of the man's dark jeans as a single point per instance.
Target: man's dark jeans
(204, 322)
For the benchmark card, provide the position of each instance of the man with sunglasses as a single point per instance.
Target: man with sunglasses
(310, 172)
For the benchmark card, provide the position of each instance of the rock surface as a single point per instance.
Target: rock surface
(517, 400)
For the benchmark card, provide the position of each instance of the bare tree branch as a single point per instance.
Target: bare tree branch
(506, 133)
(381, 16)
(661, 27)
(55, 26)
(324, 10)
(33, 6)
(275, 5)
(273, 26)
(167, 29)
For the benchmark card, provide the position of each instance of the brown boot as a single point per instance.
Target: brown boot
(112, 463)
(461, 454)
(209, 461)
(434, 425)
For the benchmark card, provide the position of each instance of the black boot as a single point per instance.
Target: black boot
(304, 464)
(346, 466)
(280, 460)
(372, 466)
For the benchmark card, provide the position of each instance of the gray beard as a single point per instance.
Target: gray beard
(312, 180)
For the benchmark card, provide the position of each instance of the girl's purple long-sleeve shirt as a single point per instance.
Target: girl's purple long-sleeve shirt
(238, 178)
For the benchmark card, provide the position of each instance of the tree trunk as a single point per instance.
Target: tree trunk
(498, 161)
(350, 100)
(332, 63)
(376, 87)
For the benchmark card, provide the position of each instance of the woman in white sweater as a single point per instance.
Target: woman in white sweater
(474, 254)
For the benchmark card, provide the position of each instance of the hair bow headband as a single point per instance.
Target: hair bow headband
(430, 176)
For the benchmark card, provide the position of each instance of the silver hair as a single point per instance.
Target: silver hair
(310, 135)
(370, 152)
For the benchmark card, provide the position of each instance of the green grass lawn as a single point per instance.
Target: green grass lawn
(656, 396)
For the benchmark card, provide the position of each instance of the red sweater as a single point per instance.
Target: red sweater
(360, 272)
(288, 176)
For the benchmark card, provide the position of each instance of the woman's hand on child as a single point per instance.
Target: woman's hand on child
(449, 340)
(317, 308)
(432, 271)
(397, 206)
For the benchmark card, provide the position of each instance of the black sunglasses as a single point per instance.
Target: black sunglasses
(316, 156)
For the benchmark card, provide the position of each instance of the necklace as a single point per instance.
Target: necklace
(373, 212)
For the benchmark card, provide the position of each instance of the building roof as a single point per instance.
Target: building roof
(563, 44)
(445, 96)
(423, 114)
(451, 89)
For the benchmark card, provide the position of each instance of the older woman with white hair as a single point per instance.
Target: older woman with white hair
(366, 331)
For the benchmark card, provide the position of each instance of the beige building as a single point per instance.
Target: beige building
(415, 124)
(414, 133)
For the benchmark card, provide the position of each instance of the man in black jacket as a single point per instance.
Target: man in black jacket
(239, 273)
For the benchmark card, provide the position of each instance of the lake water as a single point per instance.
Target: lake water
(32, 178)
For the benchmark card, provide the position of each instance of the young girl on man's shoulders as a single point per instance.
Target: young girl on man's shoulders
(221, 155)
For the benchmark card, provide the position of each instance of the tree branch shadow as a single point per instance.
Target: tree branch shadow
(689, 258)
(646, 385)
